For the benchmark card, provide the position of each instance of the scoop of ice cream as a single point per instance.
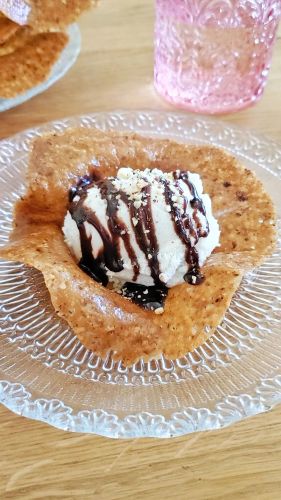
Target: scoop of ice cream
(142, 226)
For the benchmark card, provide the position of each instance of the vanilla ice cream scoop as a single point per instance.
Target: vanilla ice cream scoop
(142, 226)
(145, 227)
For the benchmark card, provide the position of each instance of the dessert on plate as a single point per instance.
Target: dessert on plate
(142, 242)
(32, 38)
(26, 61)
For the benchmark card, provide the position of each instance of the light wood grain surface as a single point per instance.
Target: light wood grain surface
(241, 462)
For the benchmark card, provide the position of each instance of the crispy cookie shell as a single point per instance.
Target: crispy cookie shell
(45, 15)
(7, 29)
(102, 319)
(26, 60)
(22, 36)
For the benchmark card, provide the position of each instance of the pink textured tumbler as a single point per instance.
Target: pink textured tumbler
(213, 56)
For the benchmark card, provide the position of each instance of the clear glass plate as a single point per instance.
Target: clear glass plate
(61, 67)
(46, 374)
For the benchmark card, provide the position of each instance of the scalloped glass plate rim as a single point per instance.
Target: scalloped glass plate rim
(257, 399)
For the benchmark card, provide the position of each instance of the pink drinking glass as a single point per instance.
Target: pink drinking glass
(213, 56)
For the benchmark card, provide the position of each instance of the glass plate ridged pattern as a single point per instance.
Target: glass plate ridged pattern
(46, 374)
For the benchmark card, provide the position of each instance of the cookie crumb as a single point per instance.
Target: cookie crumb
(159, 310)
(241, 195)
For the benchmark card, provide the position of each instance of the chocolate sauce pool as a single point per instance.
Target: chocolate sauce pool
(152, 297)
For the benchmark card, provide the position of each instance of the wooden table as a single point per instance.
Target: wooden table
(241, 462)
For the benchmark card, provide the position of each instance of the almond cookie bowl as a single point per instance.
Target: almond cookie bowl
(78, 349)
(50, 57)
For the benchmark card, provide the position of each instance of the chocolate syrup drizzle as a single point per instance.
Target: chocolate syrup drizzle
(109, 257)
